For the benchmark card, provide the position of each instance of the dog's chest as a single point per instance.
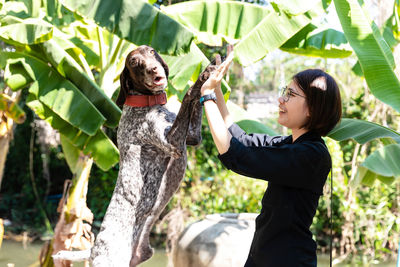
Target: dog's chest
(141, 126)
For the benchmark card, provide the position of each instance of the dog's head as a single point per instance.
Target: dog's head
(145, 72)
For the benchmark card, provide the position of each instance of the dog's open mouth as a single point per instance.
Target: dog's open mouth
(158, 80)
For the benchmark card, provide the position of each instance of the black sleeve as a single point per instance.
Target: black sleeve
(300, 165)
(254, 139)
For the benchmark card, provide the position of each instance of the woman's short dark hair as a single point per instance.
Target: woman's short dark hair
(323, 100)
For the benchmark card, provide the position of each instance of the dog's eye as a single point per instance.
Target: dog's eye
(152, 52)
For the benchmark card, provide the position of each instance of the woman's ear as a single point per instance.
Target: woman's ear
(124, 87)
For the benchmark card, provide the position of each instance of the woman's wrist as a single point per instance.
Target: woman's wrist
(208, 97)
(207, 92)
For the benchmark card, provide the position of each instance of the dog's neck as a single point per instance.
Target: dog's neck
(139, 91)
(139, 100)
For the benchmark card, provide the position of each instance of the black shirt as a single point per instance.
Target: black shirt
(296, 173)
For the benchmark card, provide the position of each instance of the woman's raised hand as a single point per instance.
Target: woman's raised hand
(216, 76)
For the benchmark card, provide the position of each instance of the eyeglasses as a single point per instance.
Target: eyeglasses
(286, 93)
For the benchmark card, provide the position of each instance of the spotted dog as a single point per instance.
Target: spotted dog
(152, 143)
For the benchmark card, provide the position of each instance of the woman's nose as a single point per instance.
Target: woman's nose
(280, 100)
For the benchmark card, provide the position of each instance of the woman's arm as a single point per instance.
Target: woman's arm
(217, 113)
(220, 97)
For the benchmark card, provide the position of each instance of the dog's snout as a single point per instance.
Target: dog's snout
(152, 70)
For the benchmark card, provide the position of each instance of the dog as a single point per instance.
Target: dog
(152, 143)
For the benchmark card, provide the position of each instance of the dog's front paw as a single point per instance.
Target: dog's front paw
(176, 153)
(207, 72)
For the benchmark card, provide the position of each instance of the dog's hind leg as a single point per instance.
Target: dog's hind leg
(169, 185)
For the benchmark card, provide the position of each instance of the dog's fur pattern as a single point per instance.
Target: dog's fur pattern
(152, 144)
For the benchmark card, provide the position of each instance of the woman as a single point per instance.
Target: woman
(296, 166)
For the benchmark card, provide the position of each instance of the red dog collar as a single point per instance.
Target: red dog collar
(146, 100)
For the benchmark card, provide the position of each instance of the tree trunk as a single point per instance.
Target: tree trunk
(70, 231)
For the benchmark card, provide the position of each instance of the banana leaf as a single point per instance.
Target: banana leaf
(213, 21)
(69, 68)
(362, 131)
(383, 164)
(388, 33)
(99, 146)
(11, 10)
(16, 77)
(384, 161)
(373, 52)
(366, 177)
(185, 69)
(317, 42)
(57, 93)
(271, 33)
(137, 22)
(396, 22)
(11, 109)
(246, 122)
(182, 68)
(71, 153)
(297, 7)
(25, 32)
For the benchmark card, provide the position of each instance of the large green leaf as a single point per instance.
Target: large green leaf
(374, 54)
(317, 42)
(362, 131)
(367, 177)
(11, 10)
(25, 31)
(246, 122)
(182, 68)
(296, 7)
(185, 69)
(274, 30)
(383, 164)
(16, 76)
(388, 30)
(99, 147)
(213, 21)
(137, 22)
(385, 161)
(11, 109)
(71, 153)
(56, 92)
(84, 36)
(69, 68)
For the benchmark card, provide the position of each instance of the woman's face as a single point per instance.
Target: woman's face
(294, 113)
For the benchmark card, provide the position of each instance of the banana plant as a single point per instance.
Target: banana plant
(10, 113)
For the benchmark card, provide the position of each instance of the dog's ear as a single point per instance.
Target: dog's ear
(124, 87)
(163, 64)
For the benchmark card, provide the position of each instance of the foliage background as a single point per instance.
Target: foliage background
(366, 219)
